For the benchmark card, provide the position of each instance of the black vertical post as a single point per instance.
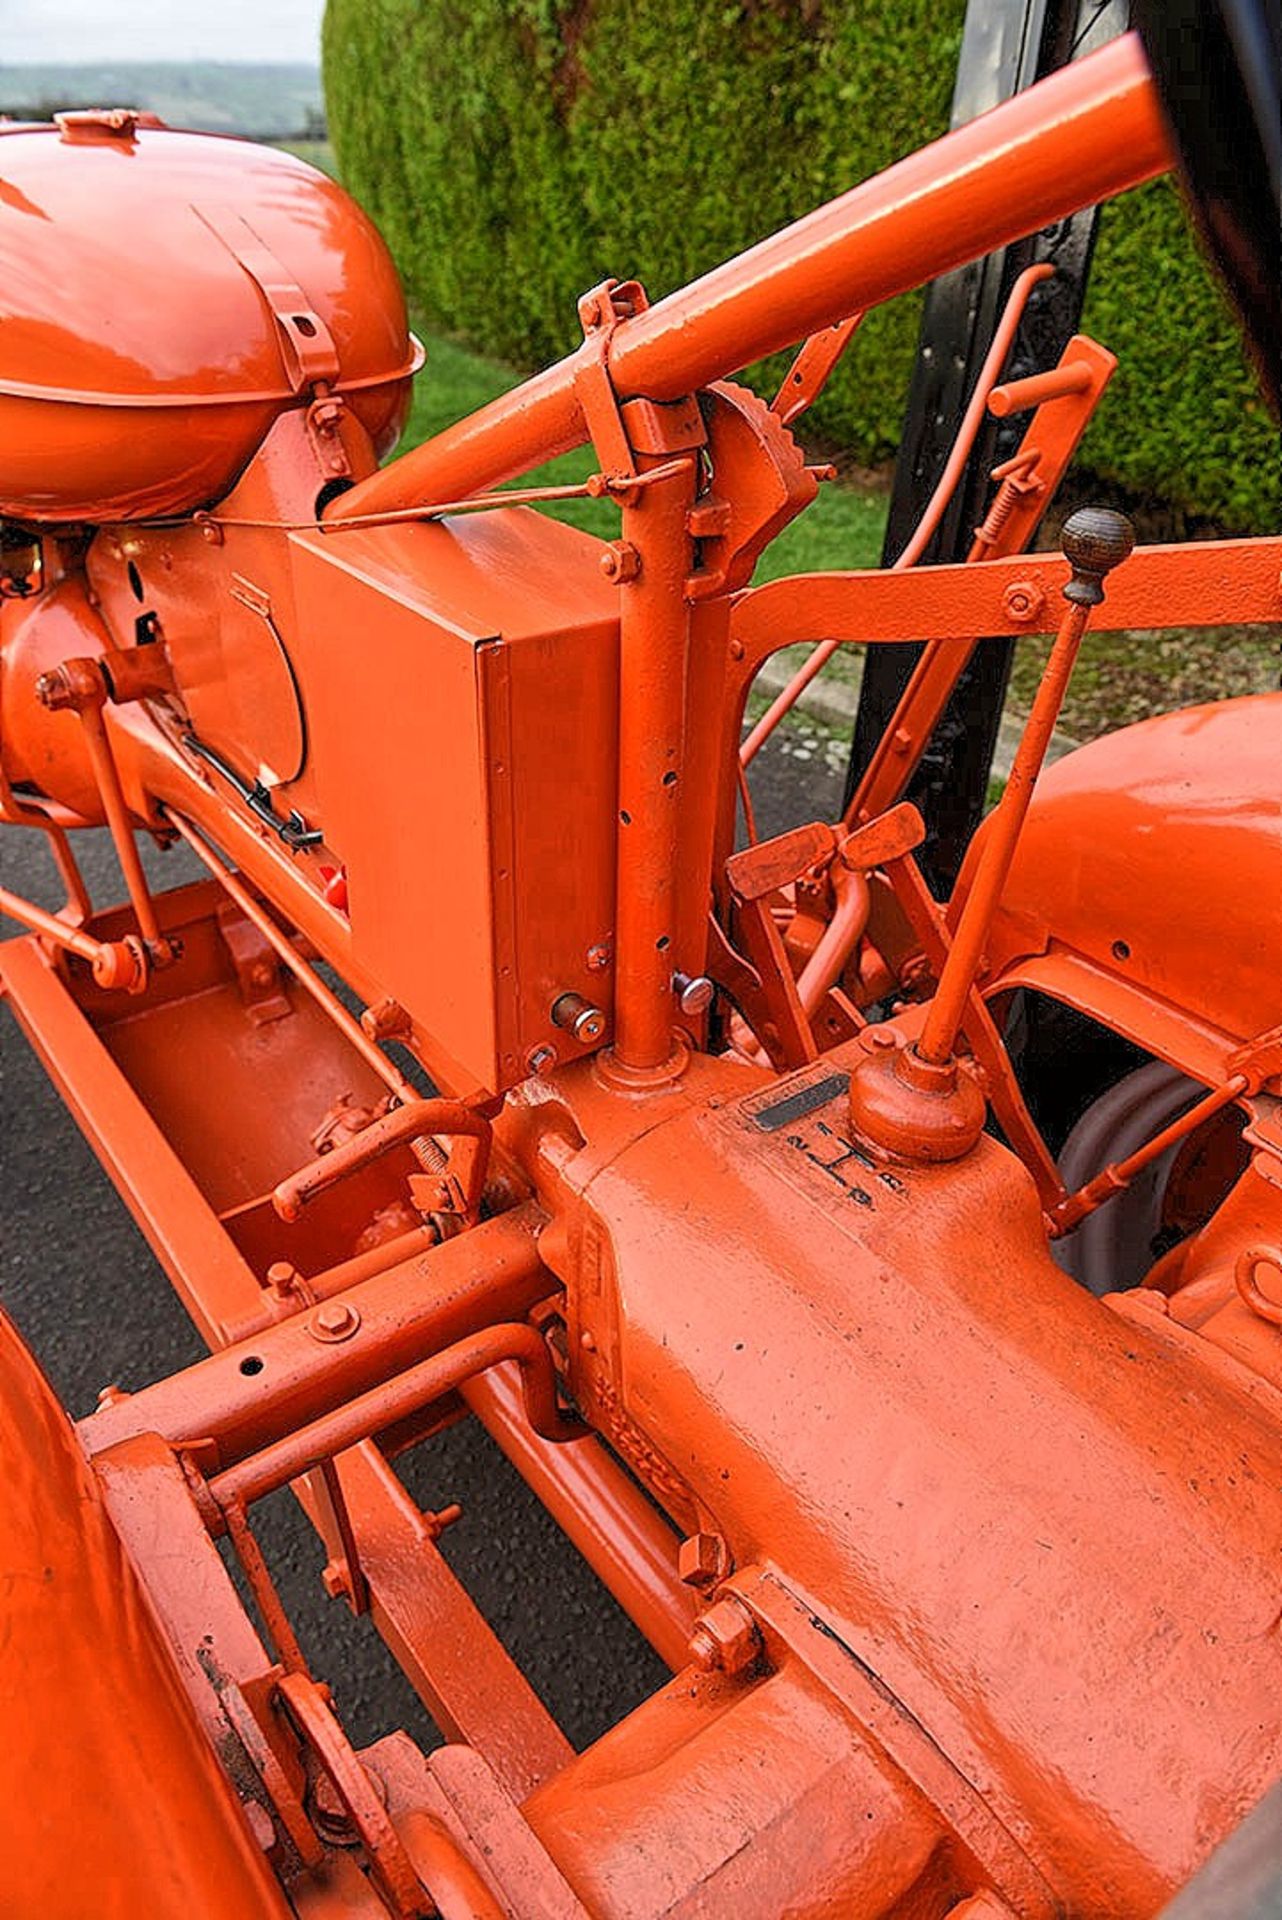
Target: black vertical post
(1006, 46)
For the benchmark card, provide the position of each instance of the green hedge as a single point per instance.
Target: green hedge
(515, 152)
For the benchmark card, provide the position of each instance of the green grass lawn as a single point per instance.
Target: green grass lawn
(317, 153)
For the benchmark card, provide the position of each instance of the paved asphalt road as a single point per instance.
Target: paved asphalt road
(90, 1299)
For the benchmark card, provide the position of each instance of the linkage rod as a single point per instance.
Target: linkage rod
(392, 1400)
(1095, 540)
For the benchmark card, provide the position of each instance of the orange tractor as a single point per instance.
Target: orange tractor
(926, 1421)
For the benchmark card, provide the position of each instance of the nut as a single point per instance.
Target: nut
(385, 1020)
(620, 561)
(336, 1320)
(1024, 602)
(703, 1560)
(725, 1638)
(540, 1059)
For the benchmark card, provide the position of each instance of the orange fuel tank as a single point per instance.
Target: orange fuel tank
(163, 296)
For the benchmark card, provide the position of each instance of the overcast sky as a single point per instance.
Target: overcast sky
(116, 30)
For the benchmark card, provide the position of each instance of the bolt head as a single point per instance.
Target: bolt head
(621, 561)
(334, 1320)
(334, 1580)
(703, 1559)
(878, 1039)
(725, 1638)
(540, 1060)
(1024, 602)
(598, 958)
(695, 996)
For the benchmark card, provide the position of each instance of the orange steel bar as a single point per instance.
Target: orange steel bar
(50, 927)
(1200, 584)
(214, 1283)
(954, 467)
(946, 1011)
(246, 1396)
(305, 975)
(435, 1118)
(43, 817)
(654, 633)
(1119, 1174)
(828, 961)
(590, 489)
(470, 1685)
(1020, 396)
(107, 777)
(1080, 136)
(810, 371)
(363, 1266)
(392, 1400)
(616, 1529)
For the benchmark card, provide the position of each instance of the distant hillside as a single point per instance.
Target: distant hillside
(222, 97)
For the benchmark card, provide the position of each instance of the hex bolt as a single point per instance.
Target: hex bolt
(336, 1579)
(577, 1016)
(878, 1039)
(385, 1020)
(695, 992)
(540, 1059)
(621, 561)
(336, 1320)
(725, 1638)
(703, 1560)
(598, 957)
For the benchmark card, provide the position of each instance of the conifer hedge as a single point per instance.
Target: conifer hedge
(515, 152)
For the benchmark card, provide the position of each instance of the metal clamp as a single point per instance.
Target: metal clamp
(293, 830)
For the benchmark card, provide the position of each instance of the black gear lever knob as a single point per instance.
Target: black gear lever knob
(1094, 540)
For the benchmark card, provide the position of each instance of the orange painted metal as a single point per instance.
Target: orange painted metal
(160, 413)
(968, 1577)
(116, 1797)
(654, 639)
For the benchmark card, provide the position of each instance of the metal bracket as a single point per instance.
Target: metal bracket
(306, 344)
(600, 312)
